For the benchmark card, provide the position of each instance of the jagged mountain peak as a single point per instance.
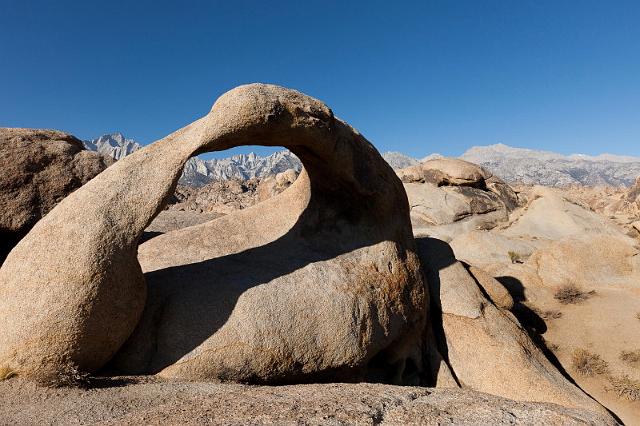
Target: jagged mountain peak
(114, 145)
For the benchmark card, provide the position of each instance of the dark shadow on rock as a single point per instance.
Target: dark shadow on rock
(8, 240)
(435, 255)
(147, 235)
(528, 318)
(514, 287)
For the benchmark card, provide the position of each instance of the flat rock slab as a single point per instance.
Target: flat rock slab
(134, 401)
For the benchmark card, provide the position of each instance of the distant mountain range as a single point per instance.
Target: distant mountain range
(114, 145)
(198, 172)
(514, 165)
(553, 169)
(519, 165)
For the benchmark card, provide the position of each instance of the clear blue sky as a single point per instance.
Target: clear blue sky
(417, 77)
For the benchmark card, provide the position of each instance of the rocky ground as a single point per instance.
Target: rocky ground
(534, 312)
(149, 401)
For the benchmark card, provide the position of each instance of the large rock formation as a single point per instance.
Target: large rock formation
(161, 403)
(319, 283)
(574, 277)
(449, 196)
(38, 168)
(484, 345)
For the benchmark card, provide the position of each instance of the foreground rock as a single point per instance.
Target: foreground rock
(573, 275)
(449, 196)
(160, 403)
(321, 282)
(474, 331)
(38, 168)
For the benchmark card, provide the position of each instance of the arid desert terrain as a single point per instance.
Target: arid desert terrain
(344, 291)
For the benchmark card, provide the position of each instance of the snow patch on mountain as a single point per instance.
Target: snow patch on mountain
(114, 145)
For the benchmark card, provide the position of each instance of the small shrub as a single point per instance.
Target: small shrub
(550, 314)
(6, 373)
(570, 294)
(70, 377)
(553, 347)
(588, 364)
(638, 316)
(625, 387)
(515, 257)
(631, 357)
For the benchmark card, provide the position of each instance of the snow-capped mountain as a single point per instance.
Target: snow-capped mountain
(114, 145)
(198, 172)
(529, 166)
(398, 160)
(552, 169)
(511, 164)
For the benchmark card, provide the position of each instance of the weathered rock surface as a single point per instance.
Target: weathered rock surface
(273, 185)
(218, 196)
(551, 215)
(494, 289)
(170, 220)
(38, 168)
(306, 286)
(482, 248)
(161, 403)
(484, 345)
(574, 284)
(450, 196)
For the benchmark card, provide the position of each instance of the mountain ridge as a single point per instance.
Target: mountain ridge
(527, 166)
(512, 164)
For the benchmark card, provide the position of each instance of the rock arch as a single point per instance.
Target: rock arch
(340, 282)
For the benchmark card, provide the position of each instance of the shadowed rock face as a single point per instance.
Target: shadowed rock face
(318, 283)
(38, 168)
